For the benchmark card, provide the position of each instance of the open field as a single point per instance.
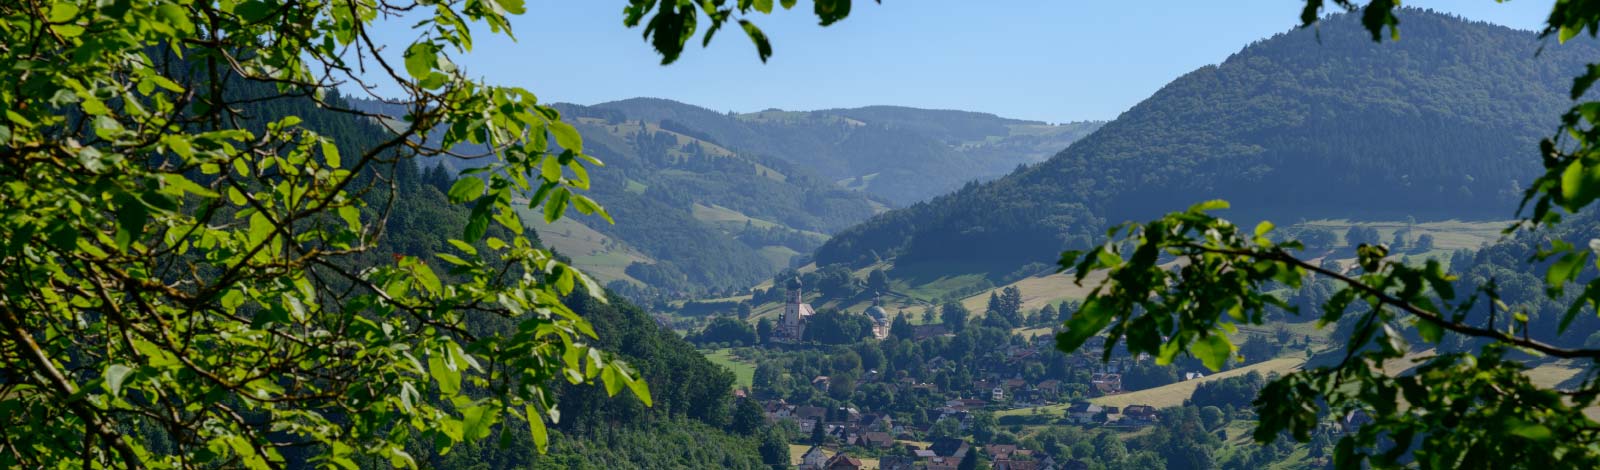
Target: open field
(1448, 235)
(1037, 291)
(602, 257)
(1172, 394)
(724, 217)
(743, 372)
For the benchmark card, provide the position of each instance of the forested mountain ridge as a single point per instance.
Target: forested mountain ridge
(899, 153)
(1306, 124)
(692, 216)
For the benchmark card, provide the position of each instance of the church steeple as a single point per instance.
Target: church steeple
(794, 291)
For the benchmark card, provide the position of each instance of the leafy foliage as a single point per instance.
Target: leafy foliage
(195, 272)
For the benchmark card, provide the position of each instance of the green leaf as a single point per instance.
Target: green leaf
(61, 12)
(1566, 269)
(478, 220)
(115, 376)
(556, 204)
(1213, 350)
(351, 216)
(446, 372)
(514, 7)
(1085, 323)
(1566, 33)
(131, 218)
(330, 154)
(425, 276)
(588, 206)
(550, 169)
(465, 189)
(478, 421)
(541, 437)
(1208, 206)
(1580, 185)
(566, 136)
(1531, 431)
(1430, 331)
(1263, 227)
(763, 45)
(420, 59)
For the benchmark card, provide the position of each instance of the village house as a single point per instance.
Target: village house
(876, 440)
(950, 447)
(1139, 415)
(813, 459)
(1106, 383)
(842, 461)
(1083, 412)
(897, 462)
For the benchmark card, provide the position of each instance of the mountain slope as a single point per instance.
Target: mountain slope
(692, 216)
(1304, 125)
(902, 154)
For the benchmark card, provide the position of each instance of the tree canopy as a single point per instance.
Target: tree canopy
(195, 272)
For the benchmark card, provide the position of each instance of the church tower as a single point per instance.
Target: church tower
(792, 325)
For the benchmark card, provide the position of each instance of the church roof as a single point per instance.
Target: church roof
(878, 313)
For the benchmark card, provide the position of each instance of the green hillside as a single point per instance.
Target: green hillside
(1304, 125)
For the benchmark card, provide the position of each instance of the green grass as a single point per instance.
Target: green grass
(602, 257)
(744, 373)
(1172, 394)
(1448, 235)
(779, 256)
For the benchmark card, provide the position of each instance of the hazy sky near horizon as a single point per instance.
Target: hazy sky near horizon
(1048, 60)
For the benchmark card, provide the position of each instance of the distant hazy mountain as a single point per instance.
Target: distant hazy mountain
(706, 201)
(1307, 124)
(902, 154)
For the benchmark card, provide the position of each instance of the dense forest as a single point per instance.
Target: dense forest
(691, 395)
(1307, 124)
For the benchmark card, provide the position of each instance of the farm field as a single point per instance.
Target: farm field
(600, 256)
(1172, 394)
(743, 372)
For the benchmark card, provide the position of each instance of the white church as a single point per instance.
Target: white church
(791, 327)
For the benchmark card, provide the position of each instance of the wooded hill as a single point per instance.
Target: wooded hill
(707, 202)
(1307, 124)
(901, 154)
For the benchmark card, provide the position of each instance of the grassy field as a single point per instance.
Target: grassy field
(743, 372)
(1031, 332)
(1037, 291)
(595, 253)
(725, 217)
(1172, 394)
(1448, 235)
(779, 256)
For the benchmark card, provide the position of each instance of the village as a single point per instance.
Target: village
(935, 395)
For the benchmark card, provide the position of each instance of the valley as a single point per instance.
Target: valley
(273, 235)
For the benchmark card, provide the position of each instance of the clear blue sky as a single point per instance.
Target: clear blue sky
(1049, 60)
